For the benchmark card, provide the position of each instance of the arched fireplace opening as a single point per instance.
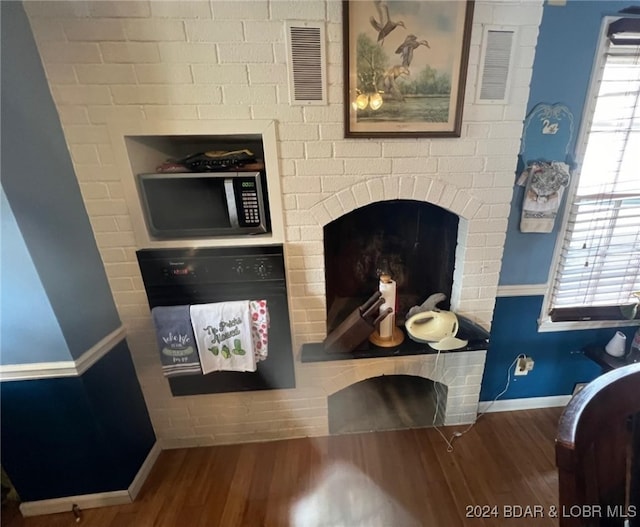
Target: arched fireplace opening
(388, 402)
(413, 241)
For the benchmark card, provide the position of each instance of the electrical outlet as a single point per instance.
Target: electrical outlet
(529, 364)
(524, 366)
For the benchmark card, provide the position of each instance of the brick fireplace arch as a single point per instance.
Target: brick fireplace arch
(473, 293)
(476, 271)
(460, 372)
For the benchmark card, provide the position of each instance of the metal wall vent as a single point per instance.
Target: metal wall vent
(496, 60)
(306, 63)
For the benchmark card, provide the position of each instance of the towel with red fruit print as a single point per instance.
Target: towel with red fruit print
(259, 313)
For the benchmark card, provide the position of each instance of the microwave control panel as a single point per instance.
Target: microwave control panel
(249, 201)
(250, 206)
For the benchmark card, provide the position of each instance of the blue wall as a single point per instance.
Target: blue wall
(76, 435)
(40, 184)
(29, 330)
(566, 48)
(559, 363)
(70, 435)
(565, 53)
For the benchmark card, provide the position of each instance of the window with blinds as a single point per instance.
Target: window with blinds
(599, 265)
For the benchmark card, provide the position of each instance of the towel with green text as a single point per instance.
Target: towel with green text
(223, 336)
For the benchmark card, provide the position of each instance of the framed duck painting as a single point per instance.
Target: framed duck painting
(405, 67)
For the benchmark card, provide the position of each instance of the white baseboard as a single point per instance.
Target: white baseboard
(529, 403)
(144, 471)
(84, 501)
(92, 501)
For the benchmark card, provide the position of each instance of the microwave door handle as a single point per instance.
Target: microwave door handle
(231, 202)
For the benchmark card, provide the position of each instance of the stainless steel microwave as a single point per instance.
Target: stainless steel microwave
(192, 205)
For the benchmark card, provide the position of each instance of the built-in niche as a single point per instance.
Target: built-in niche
(389, 402)
(204, 187)
(142, 148)
(413, 241)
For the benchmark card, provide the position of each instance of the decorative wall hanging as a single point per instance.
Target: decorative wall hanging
(544, 185)
(405, 67)
(547, 132)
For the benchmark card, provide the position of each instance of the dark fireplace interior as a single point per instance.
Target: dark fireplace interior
(389, 402)
(413, 241)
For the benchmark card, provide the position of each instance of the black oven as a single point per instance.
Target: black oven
(204, 275)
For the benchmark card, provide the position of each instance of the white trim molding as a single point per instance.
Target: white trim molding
(145, 469)
(527, 403)
(66, 504)
(92, 501)
(546, 326)
(522, 290)
(71, 368)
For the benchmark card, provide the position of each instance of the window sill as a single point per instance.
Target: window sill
(546, 326)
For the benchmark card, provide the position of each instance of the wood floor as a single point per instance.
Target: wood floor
(399, 478)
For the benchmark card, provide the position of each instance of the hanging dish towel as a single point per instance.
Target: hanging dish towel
(176, 342)
(223, 336)
(260, 328)
(544, 184)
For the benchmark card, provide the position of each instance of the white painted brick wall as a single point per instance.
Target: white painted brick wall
(105, 74)
(187, 52)
(130, 52)
(180, 60)
(178, 9)
(247, 53)
(53, 52)
(61, 74)
(119, 8)
(96, 29)
(155, 30)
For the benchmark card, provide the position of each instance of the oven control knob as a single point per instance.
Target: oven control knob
(239, 269)
(261, 270)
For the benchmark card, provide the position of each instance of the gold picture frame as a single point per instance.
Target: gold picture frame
(405, 66)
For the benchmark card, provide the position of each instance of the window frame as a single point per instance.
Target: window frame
(545, 324)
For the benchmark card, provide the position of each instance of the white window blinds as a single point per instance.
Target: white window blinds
(600, 258)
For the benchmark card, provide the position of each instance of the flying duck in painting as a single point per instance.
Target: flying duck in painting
(408, 46)
(384, 25)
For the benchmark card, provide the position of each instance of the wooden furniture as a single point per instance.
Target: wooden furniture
(597, 451)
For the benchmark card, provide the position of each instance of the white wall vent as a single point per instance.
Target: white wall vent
(496, 64)
(306, 63)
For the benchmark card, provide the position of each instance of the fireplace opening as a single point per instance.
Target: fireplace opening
(389, 402)
(413, 241)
